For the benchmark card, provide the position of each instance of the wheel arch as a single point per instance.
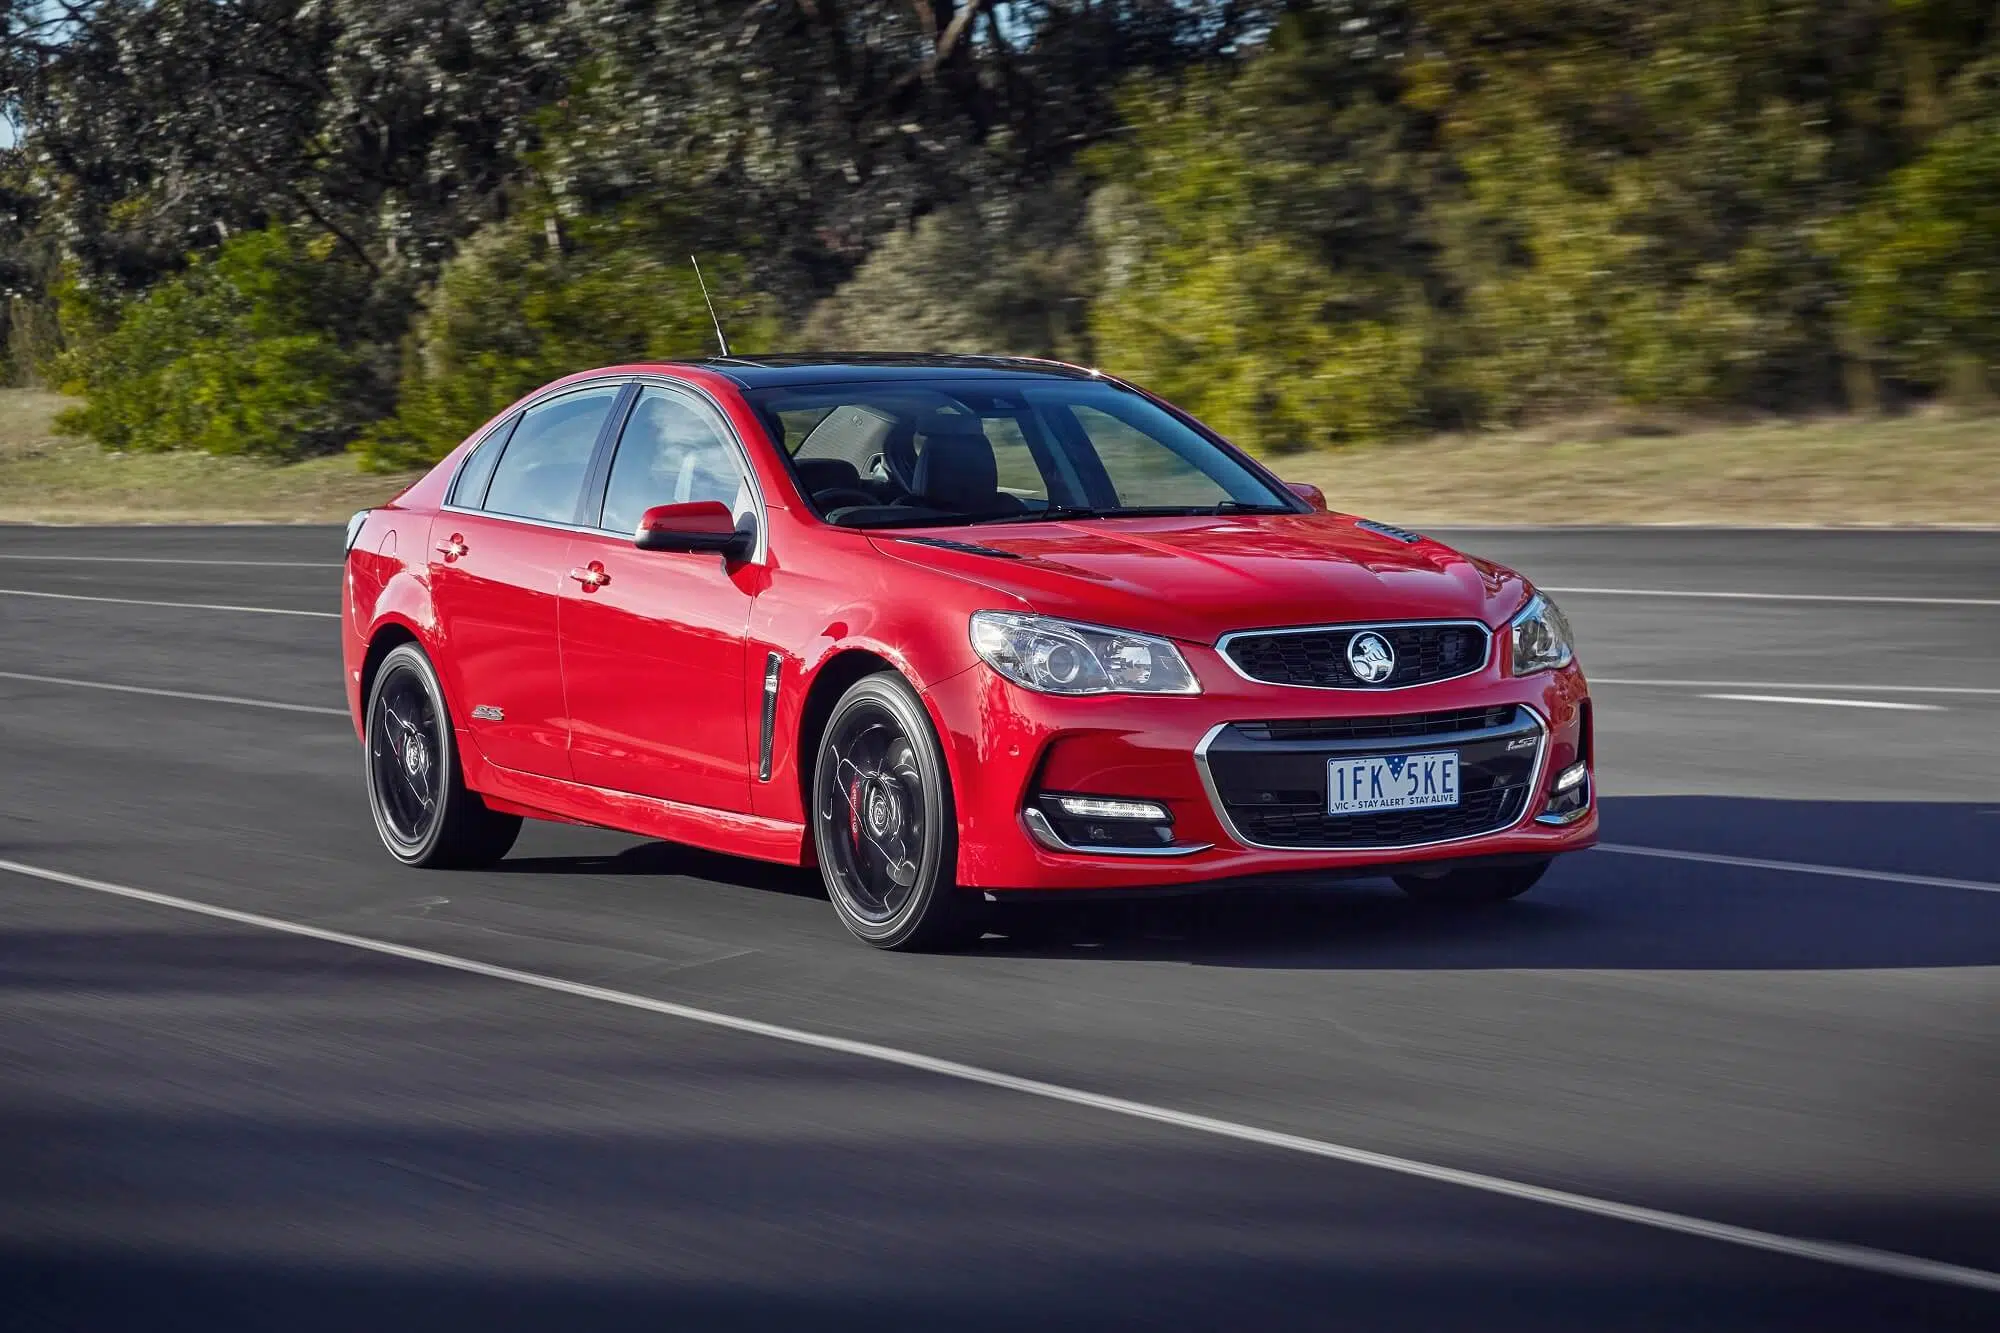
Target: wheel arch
(834, 678)
(387, 636)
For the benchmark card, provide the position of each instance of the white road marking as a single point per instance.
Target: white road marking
(1772, 596)
(1830, 703)
(186, 606)
(1799, 867)
(238, 700)
(173, 560)
(1792, 685)
(1860, 1257)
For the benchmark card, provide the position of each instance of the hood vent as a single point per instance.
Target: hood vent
(964, 548)
(1403, 535)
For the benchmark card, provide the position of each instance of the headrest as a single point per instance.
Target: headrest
(957, 469)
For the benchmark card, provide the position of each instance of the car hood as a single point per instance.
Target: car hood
(1197, 578)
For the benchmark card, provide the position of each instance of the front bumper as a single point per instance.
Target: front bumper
(1007, 745)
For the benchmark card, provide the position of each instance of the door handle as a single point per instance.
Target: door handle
(592, 576)
(452, 547)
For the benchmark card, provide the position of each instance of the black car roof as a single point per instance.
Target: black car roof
(781, 368)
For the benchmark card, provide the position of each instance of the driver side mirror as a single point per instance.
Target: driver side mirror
(700, 525)
(1308, 492)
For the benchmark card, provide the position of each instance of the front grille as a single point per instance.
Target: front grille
(1318, 657)
(1308, 826)
(1270, 777)
(1378, 728)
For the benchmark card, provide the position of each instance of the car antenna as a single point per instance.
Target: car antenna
(722, 341)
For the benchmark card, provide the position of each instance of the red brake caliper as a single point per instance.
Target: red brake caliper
(854, 815)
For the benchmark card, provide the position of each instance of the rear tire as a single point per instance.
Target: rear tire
(1466, 888)
(884, 823)
(424, 813)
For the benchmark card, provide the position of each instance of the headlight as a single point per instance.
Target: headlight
(1056, 657)
(1540, 638)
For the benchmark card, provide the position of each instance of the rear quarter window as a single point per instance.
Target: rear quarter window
(474, 474)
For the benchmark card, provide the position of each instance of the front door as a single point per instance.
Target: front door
(653, 642)
(497, 567)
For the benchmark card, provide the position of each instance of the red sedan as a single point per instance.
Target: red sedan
(951, 628)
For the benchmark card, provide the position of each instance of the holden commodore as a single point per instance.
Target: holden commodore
(951, 629)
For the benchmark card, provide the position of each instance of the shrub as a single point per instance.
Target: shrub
(1014, 277)
(1923, 261)
(242, 353)
(1258, 262)
(525, 301)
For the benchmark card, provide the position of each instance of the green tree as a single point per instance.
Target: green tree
(242, 353)
(1923, 258)
(529, 300)
(1267, 259)
(1016, 276)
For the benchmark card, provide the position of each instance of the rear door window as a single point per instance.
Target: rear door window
(541, 474)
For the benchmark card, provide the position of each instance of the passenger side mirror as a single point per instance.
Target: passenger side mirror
(700, 525)
(1308, 492)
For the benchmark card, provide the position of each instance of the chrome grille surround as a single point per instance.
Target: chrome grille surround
(1407, 742)
(1337, 637)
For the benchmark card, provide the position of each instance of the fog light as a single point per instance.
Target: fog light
(1115, 824)
(1569, 796)
(1104, 807)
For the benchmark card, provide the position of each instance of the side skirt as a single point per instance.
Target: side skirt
(724, 831)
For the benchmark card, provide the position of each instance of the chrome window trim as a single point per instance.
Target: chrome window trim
(1355, 627)
(521, 408)
(1045, 834)
(759, 554)
(1229, 826)
(516, 518)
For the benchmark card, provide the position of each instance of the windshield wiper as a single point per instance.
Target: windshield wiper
(1054, 513)
(1240, 507)
(1058, 513)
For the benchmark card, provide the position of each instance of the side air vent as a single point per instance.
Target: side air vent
(964, 548)
(773, 669)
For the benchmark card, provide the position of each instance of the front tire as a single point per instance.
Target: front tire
(1467, 888)
(424, 812)
(884, 823)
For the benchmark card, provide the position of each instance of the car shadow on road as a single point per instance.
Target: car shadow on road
(667, 859)
(1604, 909)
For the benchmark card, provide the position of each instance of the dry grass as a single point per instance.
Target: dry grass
(1934, 469)
(1937, 469)
(50, 478)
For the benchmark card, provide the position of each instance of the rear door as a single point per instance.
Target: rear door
(653, 642)
(497, 567)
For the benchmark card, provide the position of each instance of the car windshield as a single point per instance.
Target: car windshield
(910, 454)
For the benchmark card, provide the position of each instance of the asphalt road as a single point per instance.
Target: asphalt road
(211, 1123)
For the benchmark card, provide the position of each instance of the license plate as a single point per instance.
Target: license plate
(1391, 782)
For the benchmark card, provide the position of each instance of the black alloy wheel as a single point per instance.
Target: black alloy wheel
(1474, 885)
(884, 825)
(423, 811)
